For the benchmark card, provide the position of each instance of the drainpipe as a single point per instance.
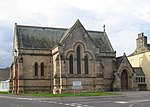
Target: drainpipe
(16, 71)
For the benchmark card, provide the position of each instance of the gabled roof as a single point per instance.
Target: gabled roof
(138, 71)
(32, 37)
(120, 59)
(4, 74)
(66, 34)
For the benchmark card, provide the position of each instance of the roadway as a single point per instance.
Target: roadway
(124, 99)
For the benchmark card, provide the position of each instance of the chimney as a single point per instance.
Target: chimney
(141, 41)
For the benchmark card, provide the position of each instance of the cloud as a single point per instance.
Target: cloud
(68, 15)
(124, 19)
(6, 43)
(7, 33)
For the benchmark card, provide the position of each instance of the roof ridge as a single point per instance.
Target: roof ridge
(42, 27)
(94, 31)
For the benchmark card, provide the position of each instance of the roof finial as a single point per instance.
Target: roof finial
(104, 28)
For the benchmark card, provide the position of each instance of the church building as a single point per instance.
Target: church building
(52, 60)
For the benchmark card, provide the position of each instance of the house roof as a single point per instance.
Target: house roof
(33, 37)
(4, 74)
(138, 71)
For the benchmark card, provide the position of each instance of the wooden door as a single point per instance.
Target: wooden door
(124, 80)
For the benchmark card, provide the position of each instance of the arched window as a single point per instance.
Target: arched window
(36, 69)
(78, 60)
(86, 64)
(71, 64)
(42, 69)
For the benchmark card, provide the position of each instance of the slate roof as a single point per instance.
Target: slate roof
(138, 71)
(101, 41)
(118, 61)
(4, 74)
(33, 37)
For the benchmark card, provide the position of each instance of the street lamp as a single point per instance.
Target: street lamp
(16, 70)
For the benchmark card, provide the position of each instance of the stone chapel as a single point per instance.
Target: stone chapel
(49, 60)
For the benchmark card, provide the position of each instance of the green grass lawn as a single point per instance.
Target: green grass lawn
(72, 94)
(4, 92)
(68, 94)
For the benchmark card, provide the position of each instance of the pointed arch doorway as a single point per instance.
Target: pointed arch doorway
(124, 80)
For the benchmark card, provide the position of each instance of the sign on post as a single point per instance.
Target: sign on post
(76, 86)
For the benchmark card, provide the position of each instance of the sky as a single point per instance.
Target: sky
(123, 20)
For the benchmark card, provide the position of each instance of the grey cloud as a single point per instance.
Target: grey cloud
(6, 38)
(119, 24)
(7, 33)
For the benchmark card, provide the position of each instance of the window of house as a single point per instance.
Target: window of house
(71, 64)
(42, 69)
(86, 64)
(36, 69)
(140, 80)
(78, 60)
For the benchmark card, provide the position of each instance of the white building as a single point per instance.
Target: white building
(140, 58)
(4, 79)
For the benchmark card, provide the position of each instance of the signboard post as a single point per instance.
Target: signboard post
(76, 86)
